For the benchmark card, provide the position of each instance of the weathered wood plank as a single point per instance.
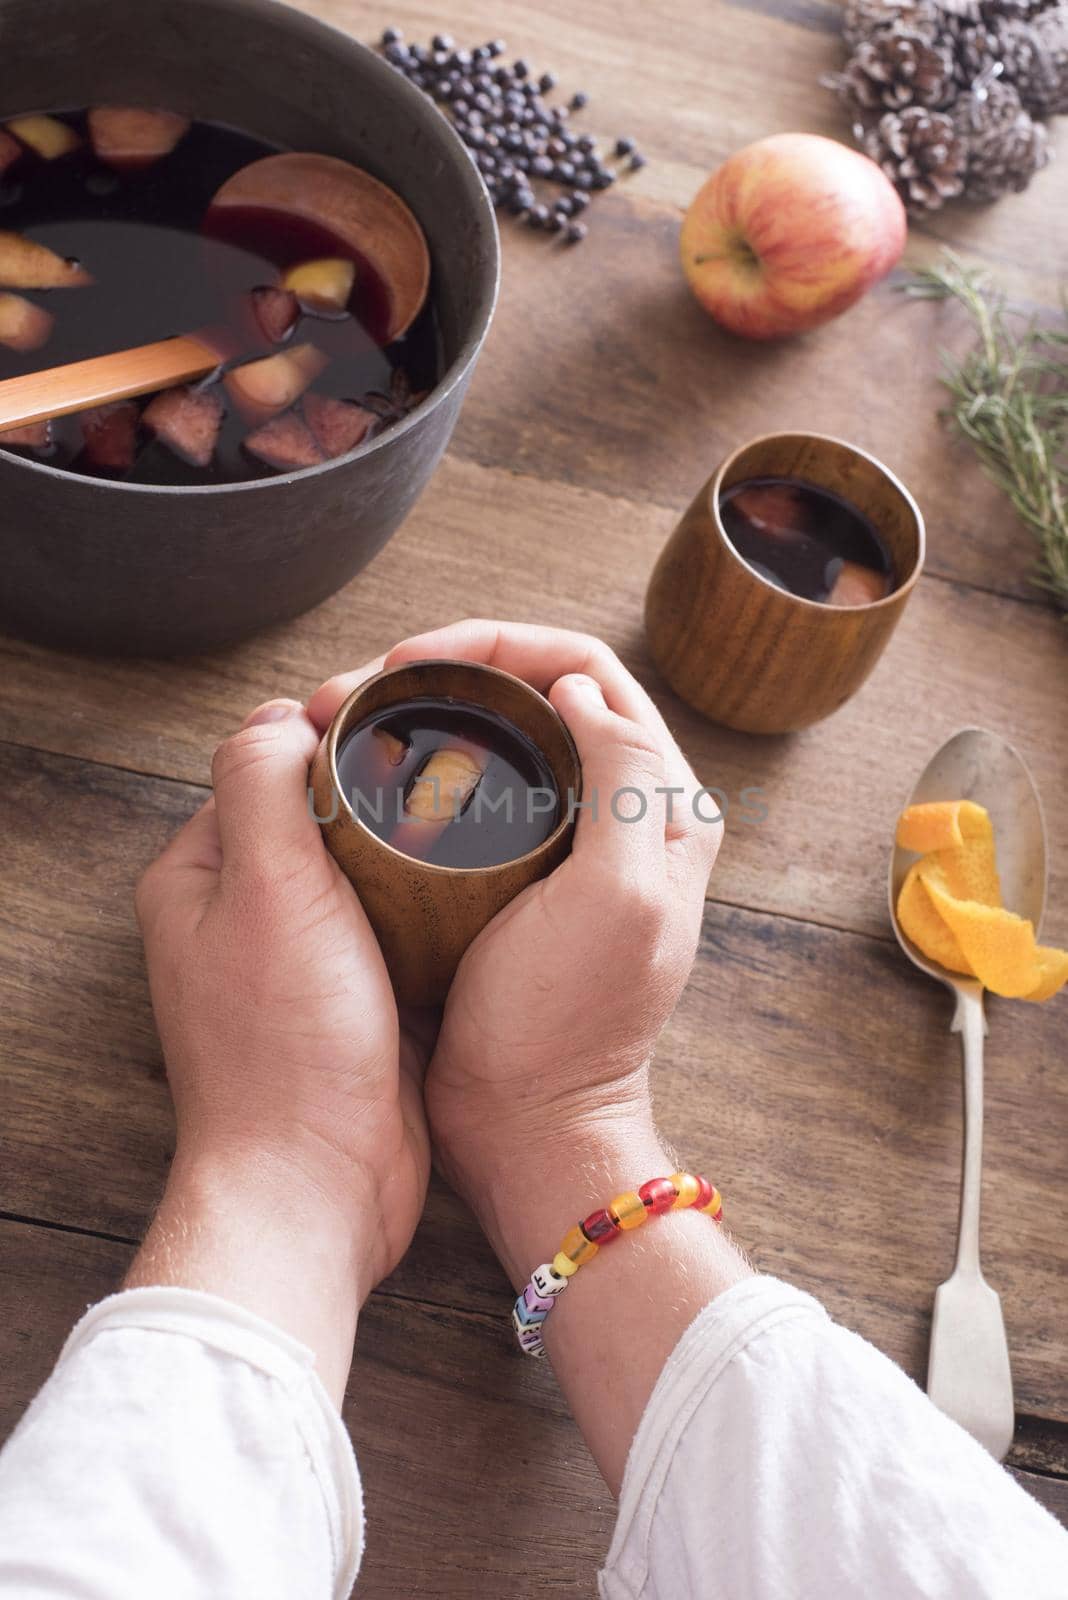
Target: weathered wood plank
(1050, 1492)
(810, 1070)
(832, 792)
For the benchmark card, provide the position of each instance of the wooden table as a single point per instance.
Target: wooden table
(809, 1066)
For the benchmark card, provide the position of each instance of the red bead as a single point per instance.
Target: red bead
(600, 1228)
(658, 1195)
(704, 1194)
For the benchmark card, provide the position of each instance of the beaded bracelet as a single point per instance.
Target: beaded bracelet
(682, 1191)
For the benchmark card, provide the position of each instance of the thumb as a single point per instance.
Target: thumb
(260, 777)
(621, 823)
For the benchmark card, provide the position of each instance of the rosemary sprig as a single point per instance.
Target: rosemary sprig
(1010, 399)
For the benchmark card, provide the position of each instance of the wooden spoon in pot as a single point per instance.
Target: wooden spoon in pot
(342, 199)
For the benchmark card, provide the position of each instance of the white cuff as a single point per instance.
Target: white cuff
(233, 1331)
(716, 1336)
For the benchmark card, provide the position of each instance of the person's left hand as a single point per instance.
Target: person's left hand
(275, 1011)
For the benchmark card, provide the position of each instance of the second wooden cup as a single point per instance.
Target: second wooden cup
(425, 915)
(747, 653)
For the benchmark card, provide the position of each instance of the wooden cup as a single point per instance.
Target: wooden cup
(745, 652)
(425, 916)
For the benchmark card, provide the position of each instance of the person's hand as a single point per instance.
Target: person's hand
(555, 1009)
(538, 1088)
(298, 1105)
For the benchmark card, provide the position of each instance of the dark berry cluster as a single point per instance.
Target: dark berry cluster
(523, 146)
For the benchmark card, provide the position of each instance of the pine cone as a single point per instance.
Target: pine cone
(863, 18)
(978, 53)
(896, 68)
(921, 153)
(993, 10)
(1034, 53)
(1005, 147)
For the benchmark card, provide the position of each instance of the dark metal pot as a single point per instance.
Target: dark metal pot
(138, 569)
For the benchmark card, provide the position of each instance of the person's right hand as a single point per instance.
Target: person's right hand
(556, 1007)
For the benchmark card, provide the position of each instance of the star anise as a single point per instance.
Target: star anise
(395, 405)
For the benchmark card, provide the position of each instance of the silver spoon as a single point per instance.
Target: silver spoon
(968, 1374)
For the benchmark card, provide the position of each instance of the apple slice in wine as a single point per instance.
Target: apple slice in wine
(25, 264)
(110, 434)
(23, 325)
(10, 151)
(285, 442)
(187, 421)
(345, 202)
(129, 137)
(276, 312)
(49, 137)
(324, 285)
(338, 425)
(261, 389)
(31, 436)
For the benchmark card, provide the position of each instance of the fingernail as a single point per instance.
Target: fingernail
(273, 711)
(586, 685)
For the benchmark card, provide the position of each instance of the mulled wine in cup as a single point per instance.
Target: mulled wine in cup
(779, 589)
(443, 789)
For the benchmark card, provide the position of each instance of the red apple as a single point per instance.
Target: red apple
(790, 232)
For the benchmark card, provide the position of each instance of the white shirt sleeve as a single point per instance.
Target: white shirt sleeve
(184, 1444)
(181, 1448)
(781, 1456)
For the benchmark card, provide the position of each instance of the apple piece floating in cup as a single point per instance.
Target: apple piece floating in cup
(807, 540)
(413, 774)
(858, 585)
(393, 749)
(437, 797)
